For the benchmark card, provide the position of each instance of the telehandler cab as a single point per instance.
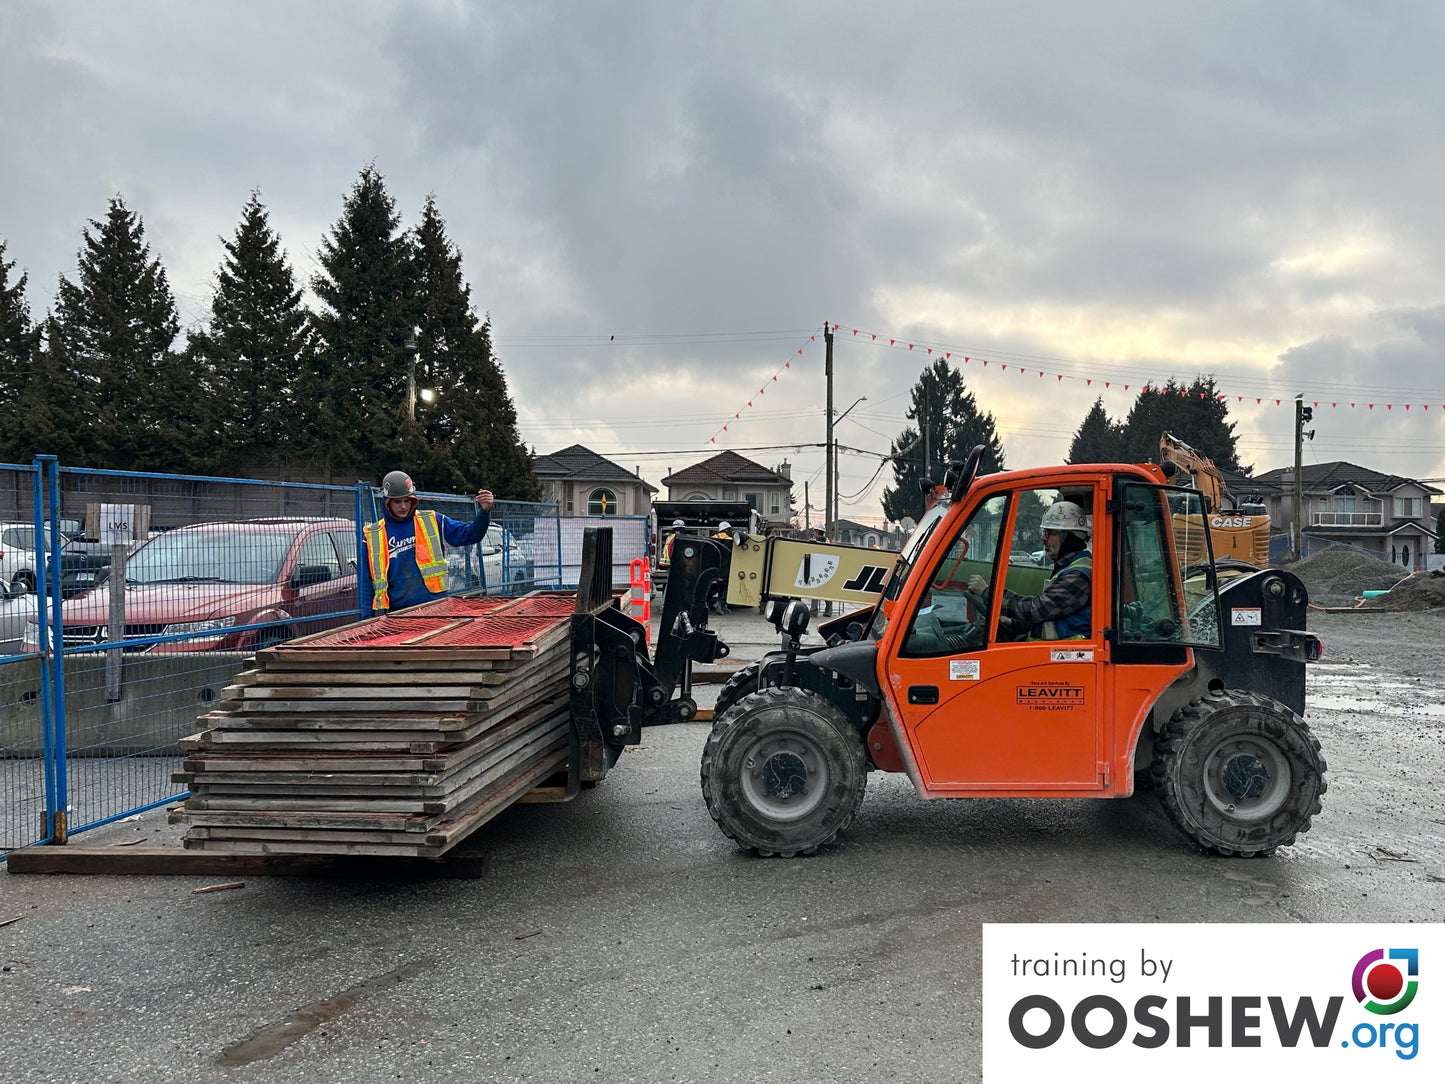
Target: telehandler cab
(1202, 684)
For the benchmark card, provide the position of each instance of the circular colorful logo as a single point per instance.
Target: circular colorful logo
(1380, 985)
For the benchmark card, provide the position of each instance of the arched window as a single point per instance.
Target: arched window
(603, 502)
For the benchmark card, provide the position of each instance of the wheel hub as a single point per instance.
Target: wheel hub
(1245, 776)
(784, 775)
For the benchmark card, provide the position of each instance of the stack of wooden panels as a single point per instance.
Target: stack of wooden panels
(394, 736)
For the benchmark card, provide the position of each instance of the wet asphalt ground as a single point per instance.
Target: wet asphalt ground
(621, 937)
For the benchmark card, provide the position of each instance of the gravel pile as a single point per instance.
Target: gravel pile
(1422, 591)
(1342, 572)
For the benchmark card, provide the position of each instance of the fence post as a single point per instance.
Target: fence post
(62, 743)
(47, 659)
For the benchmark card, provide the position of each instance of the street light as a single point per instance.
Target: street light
(839, 418)
(410, 347)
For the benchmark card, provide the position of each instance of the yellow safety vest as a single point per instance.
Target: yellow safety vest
(431, 561)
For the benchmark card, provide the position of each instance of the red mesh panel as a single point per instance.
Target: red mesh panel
(390, 629)
(496, 631)
(456, 607)
(483, 630)
(554, 605)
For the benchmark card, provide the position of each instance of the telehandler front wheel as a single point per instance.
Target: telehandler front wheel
(1239, 773)
(736, 687)
(783, 772)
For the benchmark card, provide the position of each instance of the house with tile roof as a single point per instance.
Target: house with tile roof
(728, 476)
(1343, 502)
(583, 483)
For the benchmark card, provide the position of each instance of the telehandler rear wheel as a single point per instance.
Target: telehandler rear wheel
(1239, 773)
(783, 772)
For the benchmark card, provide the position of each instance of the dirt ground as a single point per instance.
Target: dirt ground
(621, 937)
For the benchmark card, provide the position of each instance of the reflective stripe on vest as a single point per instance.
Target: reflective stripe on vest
(378, 557)
(1074, 626)
(431, 560)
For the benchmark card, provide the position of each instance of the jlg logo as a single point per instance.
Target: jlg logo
(869, 579)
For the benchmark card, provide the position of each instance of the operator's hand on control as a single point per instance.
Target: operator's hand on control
(978, 585)
(485, 499)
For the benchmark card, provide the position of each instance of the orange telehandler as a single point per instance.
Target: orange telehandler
(1200, 682)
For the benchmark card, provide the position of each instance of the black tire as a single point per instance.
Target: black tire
(743, 682)
(783, 772)
(1239, 773)
(27, 578)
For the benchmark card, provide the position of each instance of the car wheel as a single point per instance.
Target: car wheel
(26, 579)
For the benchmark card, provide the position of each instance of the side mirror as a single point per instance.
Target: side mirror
(308, 575)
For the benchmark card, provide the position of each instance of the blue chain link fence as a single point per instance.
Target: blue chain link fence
(156, 589)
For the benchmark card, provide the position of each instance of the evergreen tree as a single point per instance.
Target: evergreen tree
(949, 426)
(256, 347)
(467, 437)
(368, 308)
(112, 334)
(18, 348)
(48, 415)
(1098, 439)
(1440, 530)
(1194, 413)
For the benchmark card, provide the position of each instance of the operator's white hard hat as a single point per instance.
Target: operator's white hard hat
(1067, 516)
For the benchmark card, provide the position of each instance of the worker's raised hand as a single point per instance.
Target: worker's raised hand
(978, 585)
(485, 499)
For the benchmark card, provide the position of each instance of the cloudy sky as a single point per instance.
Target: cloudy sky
(659, 202)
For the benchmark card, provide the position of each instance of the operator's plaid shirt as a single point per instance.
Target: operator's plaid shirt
(1067, 593)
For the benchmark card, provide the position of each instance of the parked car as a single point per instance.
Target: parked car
(204, 583)
(82, 565)
(501, 560)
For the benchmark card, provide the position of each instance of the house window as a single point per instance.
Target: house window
(775, 506)
(603, 502)
(1407, 507)
(1344, 504)
(752, 499)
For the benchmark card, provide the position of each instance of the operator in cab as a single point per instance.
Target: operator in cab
(1062, 610)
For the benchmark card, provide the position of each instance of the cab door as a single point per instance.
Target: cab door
(985, 707)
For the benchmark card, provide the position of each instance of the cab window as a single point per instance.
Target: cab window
(1030, 562)
(951, 619)
(1164, 598)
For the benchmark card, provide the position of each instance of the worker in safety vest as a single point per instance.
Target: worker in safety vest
(405, 555)
(665, 557)
(1062, 610)
(717, 598)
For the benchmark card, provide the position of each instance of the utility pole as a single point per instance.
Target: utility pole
(1302, 414)
(807, 509)
(924, 421)
(830, 492)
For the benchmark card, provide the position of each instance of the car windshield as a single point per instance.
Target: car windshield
(231, 556)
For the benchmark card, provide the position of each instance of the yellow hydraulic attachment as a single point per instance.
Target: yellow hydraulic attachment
(791, 568)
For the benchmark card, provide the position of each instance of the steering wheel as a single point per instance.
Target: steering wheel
(974, 632)
(967, 474)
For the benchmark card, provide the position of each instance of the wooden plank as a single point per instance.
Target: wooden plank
(446, 837)
(428, 800)
(370, 814)
(153, 861)
(330, 781)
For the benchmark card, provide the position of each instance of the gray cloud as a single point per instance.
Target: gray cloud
(1242, 189)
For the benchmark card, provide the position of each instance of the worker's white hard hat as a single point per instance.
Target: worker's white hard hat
(1066, 516)
(724, 526)
(678, 523)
